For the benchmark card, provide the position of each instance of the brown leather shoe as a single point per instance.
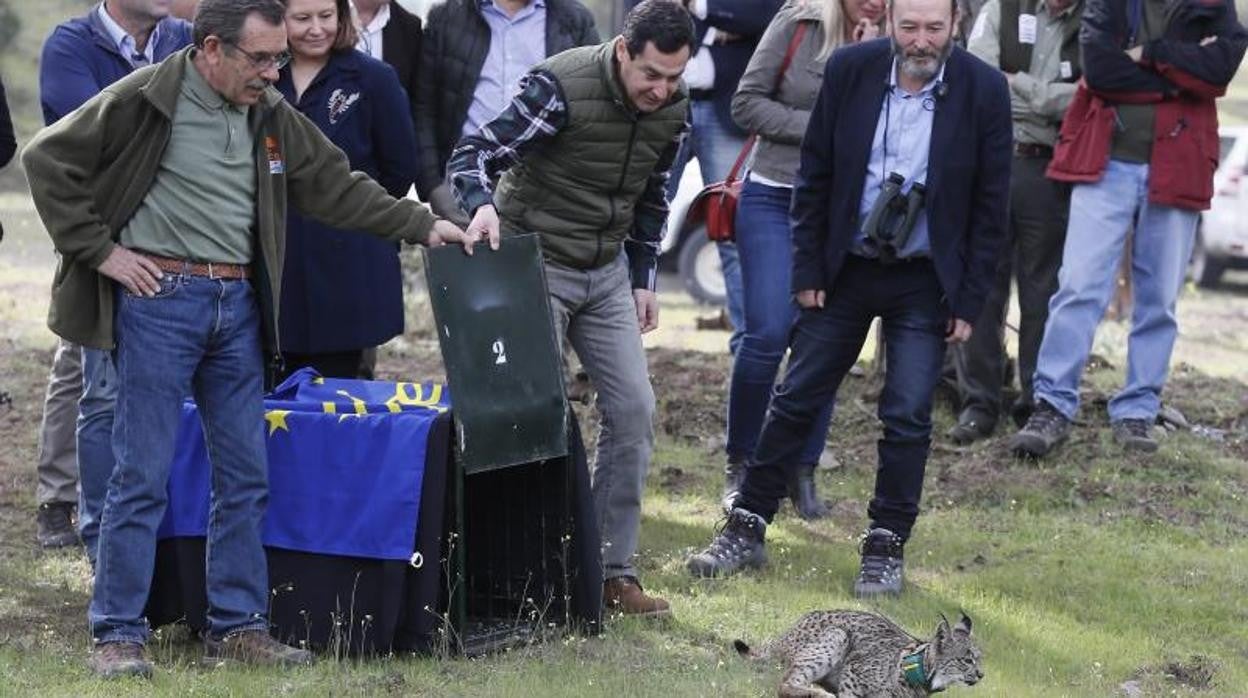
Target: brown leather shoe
(255, 647)
(624, 595)
(114, 659)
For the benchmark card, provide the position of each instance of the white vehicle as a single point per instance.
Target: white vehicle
(1222, 235)
(686, 248)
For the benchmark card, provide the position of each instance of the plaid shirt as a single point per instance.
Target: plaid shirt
(534, 116)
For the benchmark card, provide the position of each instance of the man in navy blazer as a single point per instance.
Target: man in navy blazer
(915, 121)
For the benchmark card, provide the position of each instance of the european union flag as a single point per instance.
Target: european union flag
(346, 462)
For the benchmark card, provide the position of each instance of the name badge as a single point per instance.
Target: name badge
(1027, 29)
(1065, 70)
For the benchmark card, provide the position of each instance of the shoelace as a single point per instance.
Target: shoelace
(1136, 427)
(729, 542)
(1044, 420)
(877, 568)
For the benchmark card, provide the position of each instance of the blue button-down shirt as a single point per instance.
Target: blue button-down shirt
(903, 137)
(516, 45)
(125, 42)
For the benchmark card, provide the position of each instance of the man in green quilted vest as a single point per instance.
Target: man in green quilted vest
(584, 151)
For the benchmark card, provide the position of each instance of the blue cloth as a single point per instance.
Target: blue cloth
(346, 462)
(80, 58)
(902, 141)
(201, 337)
(516, 45)
(766, 252)
(1101, 214)
(343, 290)
(968, 182)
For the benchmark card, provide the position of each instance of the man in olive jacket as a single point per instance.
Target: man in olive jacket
(166, 196)
(587, 146)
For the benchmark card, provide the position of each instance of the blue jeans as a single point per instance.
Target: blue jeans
(198, 337)
(95, 442)
(716, 146)
(824, 346)
(1100, 217)
(766, 251)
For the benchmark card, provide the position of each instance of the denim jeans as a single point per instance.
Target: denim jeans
(594, 309)
(766, 251)
(716, 146)
(825, 344)
(1101, 214)
(199, 337)
(95, 442)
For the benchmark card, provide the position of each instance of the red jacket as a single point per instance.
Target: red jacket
(1177, 73)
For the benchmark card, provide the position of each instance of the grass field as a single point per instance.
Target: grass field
(1094, 574)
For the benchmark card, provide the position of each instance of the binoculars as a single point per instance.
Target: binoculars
(893, 216)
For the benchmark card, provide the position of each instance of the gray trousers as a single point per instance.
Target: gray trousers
(595, 310)
(57, 464)
(1039, 209)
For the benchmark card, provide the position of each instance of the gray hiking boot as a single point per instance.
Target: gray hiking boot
(255, 647)
(1045, 430)
(55, 522)
(883, 564)
(739, 543)
(1135, 435)
(114, 659)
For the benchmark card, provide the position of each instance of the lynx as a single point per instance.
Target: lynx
(851, 653)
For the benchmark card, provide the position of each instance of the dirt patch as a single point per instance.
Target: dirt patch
(1196, 672)
(691, 388)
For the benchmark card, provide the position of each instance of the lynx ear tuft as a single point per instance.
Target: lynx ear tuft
(965, 622)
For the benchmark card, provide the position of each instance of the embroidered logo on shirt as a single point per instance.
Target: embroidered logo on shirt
(274, 155)
(339, 103)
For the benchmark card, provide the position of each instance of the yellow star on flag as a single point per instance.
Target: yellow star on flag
(276, 420)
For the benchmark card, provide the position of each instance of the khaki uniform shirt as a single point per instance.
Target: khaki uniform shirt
(1037, 98)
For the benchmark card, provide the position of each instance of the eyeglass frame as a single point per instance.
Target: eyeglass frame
(262, 61)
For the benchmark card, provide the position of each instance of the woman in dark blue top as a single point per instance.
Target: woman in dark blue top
(342, 292)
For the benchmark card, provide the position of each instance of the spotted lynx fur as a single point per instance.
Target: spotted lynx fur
(851, 653)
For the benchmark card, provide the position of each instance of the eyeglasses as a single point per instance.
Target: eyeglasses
(263, 61)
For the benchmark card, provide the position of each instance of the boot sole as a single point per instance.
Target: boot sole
(1139, 446)
(1033, 447)
(701, 572)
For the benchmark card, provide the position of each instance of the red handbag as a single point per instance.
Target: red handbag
(716, 204)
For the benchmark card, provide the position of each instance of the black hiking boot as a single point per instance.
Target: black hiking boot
(803, 495)
(738, 544)
(971, 427)
(883, 564)
(56, 525)
(1135, 435)
(1045, 430)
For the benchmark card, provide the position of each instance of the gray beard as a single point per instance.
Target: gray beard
(921, 69)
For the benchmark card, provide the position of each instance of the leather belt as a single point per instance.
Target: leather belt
(1033, 150)
(211, 270)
